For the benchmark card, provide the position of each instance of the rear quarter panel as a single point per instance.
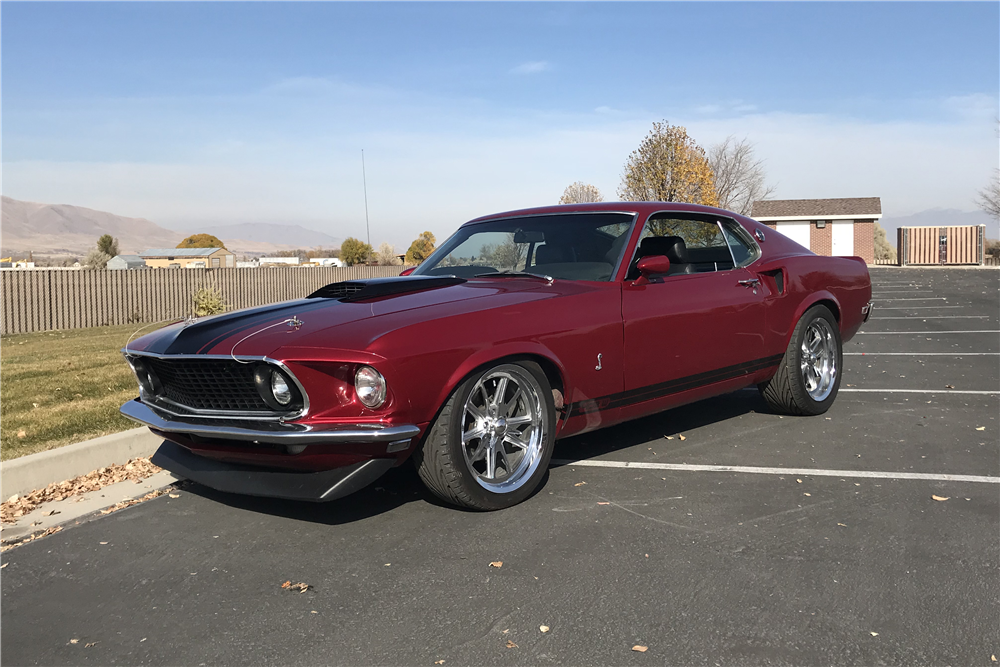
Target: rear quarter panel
(840, 283)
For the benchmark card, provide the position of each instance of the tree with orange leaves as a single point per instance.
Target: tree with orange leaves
(668, 166)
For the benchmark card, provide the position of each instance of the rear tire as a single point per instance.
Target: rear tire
(808, 378)
(490, 446)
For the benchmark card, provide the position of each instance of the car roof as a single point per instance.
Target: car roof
(643, 208)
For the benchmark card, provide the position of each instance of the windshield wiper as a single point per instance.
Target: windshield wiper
(514, 274)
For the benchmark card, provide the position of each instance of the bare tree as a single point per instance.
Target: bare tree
(989, 197)
(386, 255)
(739, 176)
(581, 193)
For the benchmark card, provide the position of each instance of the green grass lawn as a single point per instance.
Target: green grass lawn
(61, 387)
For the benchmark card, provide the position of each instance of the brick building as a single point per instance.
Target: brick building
(826, 226)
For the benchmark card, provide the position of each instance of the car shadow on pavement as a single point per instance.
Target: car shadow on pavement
(401, 486)
(655, 427)
(397, 487)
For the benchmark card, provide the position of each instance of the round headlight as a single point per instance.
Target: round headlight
(279, 388)
(148, 383)
(370, 386)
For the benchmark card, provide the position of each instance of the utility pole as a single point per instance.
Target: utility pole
(364, 182)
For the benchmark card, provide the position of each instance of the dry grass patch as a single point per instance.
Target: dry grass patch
(61, 387)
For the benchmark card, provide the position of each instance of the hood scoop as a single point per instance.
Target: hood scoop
(373, 288)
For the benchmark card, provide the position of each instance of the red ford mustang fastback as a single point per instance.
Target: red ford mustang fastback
(522, 328)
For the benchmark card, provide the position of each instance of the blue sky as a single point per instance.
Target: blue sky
(219, 113)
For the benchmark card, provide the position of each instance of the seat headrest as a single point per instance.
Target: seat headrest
(672, 246)
(549, 254)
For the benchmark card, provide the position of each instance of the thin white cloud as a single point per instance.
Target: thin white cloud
(533, 67)
(431, 169)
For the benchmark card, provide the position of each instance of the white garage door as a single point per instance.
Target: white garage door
(796, 231)
(843, 238)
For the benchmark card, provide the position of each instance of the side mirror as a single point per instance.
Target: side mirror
(408, 271)
(651, 266)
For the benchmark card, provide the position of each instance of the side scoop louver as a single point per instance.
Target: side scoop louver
(359, 290)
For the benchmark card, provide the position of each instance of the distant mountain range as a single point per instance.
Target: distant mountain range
(62, 229)
(262, 232)
(941, 217)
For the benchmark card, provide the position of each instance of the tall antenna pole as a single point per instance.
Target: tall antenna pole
(364, 182)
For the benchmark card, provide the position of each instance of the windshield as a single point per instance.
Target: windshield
(575, 246)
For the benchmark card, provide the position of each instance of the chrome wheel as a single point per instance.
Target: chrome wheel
(818, 359)
(503, 428)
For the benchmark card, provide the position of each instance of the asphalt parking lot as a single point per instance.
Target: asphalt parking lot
(820, 545)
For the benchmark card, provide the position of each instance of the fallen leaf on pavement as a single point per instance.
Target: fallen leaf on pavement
(603, 503)
(543, 628)
(4, 565)
(681, 436)
(74, 641)
(798, 481)
(103, 542)
(980, 428)
(874, 634)
(496, 563)
(807, 494)
(300, 587)
(21, 433)
(90, 644)
(940, 498)
(511, 644)
(669, 437)
(579, 484)
(639, 648)
(174, 495)
(842, 524)
(993, 658)
(51, 513)
(949, 386)
(439, 662)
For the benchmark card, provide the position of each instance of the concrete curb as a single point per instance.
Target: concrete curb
(36, 471)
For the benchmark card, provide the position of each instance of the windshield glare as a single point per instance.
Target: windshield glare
(576, 246)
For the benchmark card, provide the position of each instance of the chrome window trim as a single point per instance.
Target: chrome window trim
(741, 231)
(155, 401)
(621, 254)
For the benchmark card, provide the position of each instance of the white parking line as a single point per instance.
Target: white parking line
(933, 317)
(878, 307)
(920, 391)
(928, 298)
(907, 333)
(921, 354)
(801, 472)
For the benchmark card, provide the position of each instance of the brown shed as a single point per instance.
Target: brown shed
(844, 227)
(963, 244)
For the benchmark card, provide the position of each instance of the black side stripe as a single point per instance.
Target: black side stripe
(662, 389)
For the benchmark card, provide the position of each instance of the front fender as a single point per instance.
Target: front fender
(494, 354)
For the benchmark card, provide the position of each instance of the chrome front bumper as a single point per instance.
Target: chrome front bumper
(271, 432)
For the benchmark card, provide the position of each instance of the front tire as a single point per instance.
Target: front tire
(490, 446)
(808, 378)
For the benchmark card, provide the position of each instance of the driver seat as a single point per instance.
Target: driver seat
(673, 247)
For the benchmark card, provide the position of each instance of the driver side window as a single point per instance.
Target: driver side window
(692, 245)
